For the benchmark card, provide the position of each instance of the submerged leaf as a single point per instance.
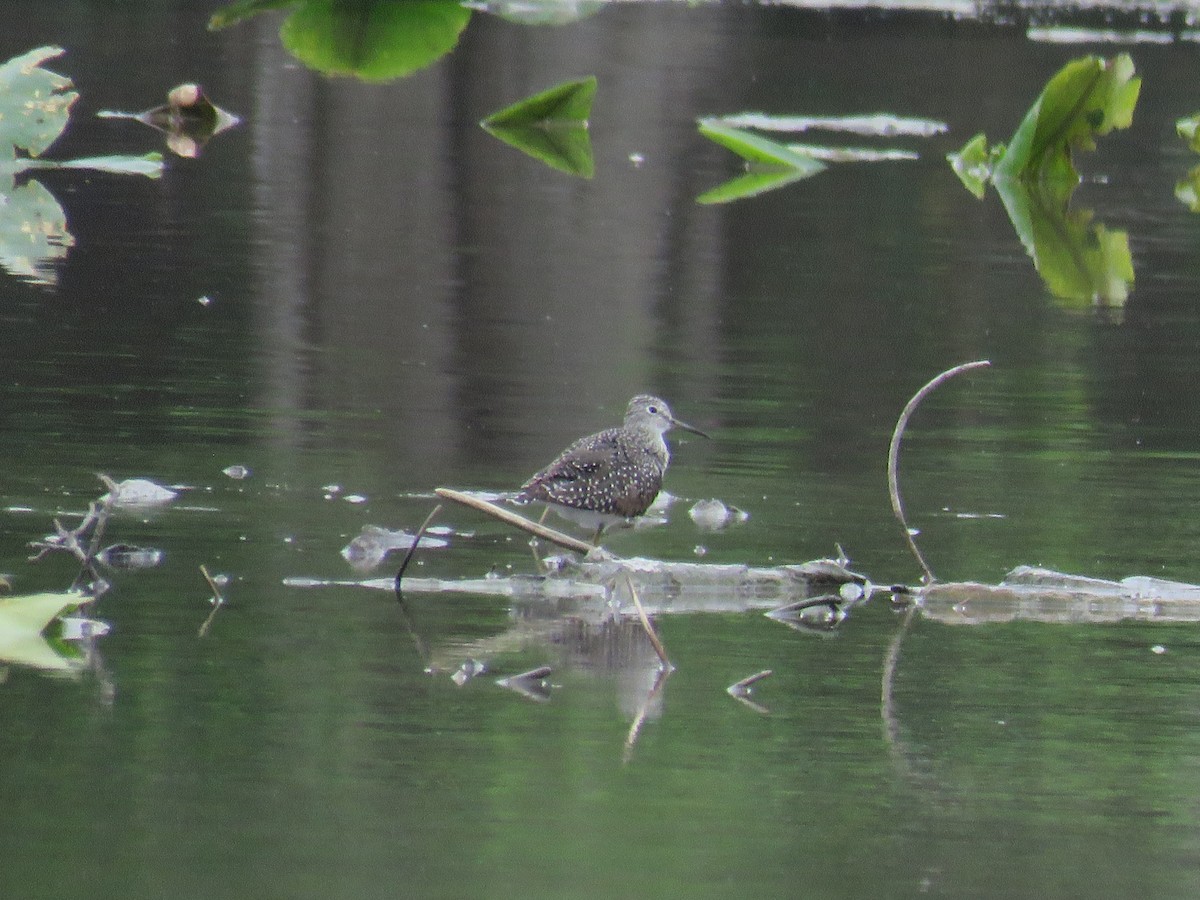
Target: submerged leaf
(566, 103)
(1088, 97)
(34, 102)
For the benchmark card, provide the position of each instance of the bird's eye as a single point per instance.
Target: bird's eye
(653, 410)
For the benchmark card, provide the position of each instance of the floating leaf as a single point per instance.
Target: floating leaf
(35, 103)
(1189, 130)
(23, 619)
(973, 164)
(375, 41)
(756, 149)
(566, 103)
(1087, 98)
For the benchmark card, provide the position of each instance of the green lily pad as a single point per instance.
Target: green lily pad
(35, 103)
(569, 103)
(23, 619)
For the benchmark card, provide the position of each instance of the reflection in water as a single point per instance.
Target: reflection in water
(376, 40)
(188, 119)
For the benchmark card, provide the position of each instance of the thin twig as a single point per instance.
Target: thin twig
(416, 540)
(217, 601)
(887, 706)
(217, 598)
(740, 691)
(511, 518)
(649, 628)
(894, 455)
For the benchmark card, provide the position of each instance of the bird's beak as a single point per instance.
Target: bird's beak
(686, 427)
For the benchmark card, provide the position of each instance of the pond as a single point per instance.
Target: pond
(358, 295)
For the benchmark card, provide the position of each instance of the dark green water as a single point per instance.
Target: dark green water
(399, 301)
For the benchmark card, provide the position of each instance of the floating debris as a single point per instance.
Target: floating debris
(237, 473)
(467, 671)
(135, 493)
(127, 556)
(355, 498)
(205, 300)
(713, 515)
(80, 628)
(1158, 649)
(877, 125)
(374, 543)
(818, 615)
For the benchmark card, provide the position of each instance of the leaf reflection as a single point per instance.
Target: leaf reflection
(35, 105)
(375, 40)
(551, 126)
(1079, 260)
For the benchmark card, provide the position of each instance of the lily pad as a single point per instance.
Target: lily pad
(35, 103)
(23, 621)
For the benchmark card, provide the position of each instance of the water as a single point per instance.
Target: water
(399, 301)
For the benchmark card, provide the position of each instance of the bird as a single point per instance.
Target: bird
(611, 476)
